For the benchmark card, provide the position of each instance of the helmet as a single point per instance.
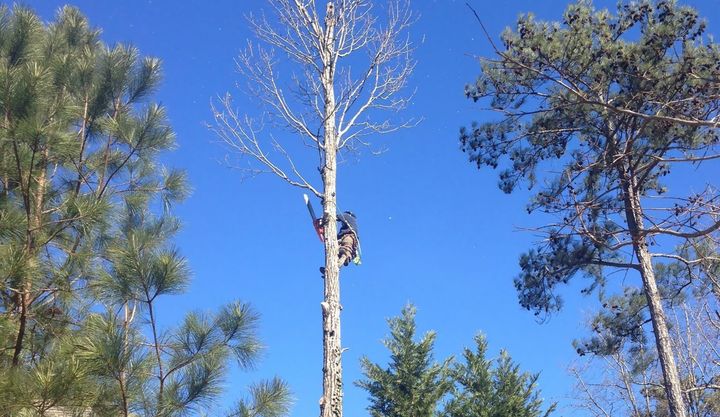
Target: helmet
(350, 213)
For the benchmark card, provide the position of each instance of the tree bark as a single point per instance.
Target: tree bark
(23, 307)
(634, 215)
(331, 401)
(34, 211)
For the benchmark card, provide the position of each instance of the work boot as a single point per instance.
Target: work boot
(322, 270)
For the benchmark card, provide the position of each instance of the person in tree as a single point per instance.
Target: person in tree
(348, 241)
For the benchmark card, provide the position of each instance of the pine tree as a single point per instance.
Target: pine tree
(412, 385)
(144, 369)
(85, 224)
(613, 103)
(79, 143)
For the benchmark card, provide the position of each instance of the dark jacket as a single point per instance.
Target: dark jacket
(348, 224)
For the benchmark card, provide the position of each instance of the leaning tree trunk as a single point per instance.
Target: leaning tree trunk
(634, 214)
(331, 401)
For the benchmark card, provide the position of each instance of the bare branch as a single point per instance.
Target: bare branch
(240, 134)
(322, 84)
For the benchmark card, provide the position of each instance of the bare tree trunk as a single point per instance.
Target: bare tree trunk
(331, 401)
(634, 214)
(327, 122)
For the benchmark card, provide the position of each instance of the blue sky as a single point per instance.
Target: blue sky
(436, 231)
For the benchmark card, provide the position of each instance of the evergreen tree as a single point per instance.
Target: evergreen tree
(483, 390)
(613, 103)
(143, 369)
(85, 223)
(79, 144)
(412, 385)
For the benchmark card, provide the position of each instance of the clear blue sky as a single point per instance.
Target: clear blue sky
(436, 231)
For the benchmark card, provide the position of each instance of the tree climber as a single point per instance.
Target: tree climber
(348, 241)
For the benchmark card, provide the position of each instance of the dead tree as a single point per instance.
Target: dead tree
(345, 67)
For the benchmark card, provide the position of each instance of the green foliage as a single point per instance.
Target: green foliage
(85, 231)
(79, 145)
(268, 399)
(610, 104)
(486, 389)
(611, 100)
(61, 376)
(620, 322)
(114, 355)
(412, 385)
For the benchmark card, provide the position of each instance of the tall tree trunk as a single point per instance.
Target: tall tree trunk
(34, 210)
(634, 215)
(331, 401)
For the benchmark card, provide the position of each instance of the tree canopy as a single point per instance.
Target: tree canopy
(414, 385)
(612, 104)
(86, 230)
